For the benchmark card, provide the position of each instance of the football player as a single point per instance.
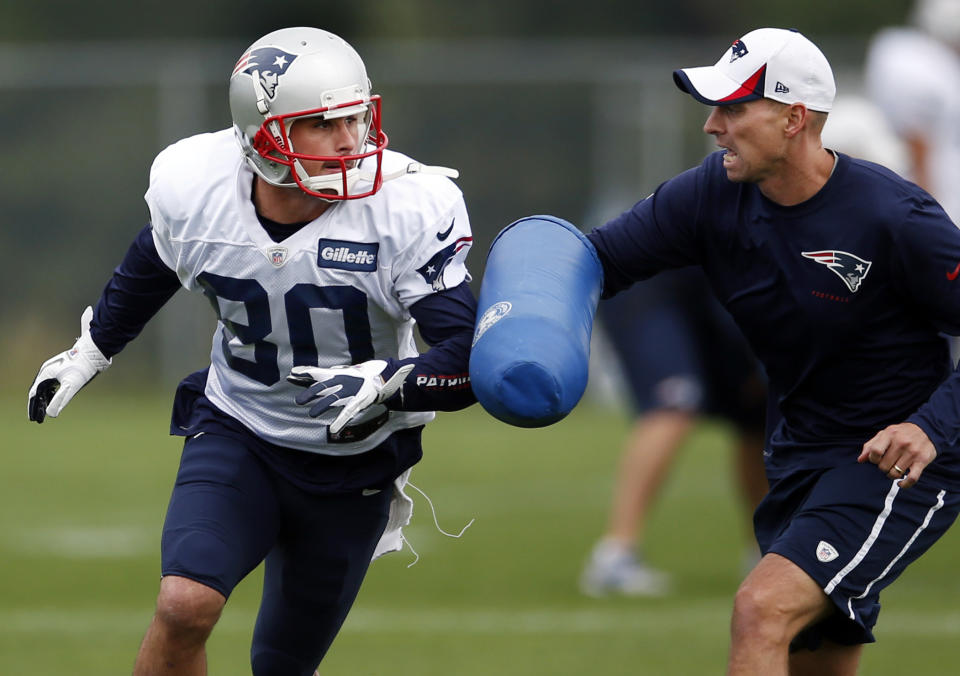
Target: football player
(319, 251)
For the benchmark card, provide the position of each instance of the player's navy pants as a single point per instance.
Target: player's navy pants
(229, 511)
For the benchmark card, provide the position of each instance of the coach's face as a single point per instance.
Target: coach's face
(752, 133)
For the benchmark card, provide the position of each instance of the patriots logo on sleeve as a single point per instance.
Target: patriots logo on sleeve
(851, 269)
(432, 271)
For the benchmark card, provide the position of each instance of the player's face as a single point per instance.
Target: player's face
(752, 134)
(326, 138)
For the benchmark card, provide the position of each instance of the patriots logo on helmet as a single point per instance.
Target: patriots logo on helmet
(266, 64)
(851, 269)
(737, 50)
(432, 271)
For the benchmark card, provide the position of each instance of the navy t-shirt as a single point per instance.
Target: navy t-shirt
(843, 298)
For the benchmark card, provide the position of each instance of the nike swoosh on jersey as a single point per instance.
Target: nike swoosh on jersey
(370, 491)
(446, 233)
(953, 275)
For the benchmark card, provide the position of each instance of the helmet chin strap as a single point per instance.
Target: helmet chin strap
(415, 168)
(334, 182)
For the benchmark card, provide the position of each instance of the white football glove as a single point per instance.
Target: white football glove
(354, 388)
(62, 376)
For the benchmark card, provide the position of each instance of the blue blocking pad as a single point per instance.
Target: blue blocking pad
(531, 345)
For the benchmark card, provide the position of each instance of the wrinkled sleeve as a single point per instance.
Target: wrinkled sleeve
(656, 234)
(141, 284)
(928, 258)
(440, 380)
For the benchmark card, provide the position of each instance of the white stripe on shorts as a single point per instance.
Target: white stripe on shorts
(868, 544)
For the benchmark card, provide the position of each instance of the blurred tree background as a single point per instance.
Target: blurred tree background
(562, 107)
(29, 20)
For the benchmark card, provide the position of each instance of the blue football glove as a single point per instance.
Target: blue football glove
(62, 376)
(353, 388)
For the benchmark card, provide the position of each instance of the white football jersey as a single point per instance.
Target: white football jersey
(916, 82)
(337, 291)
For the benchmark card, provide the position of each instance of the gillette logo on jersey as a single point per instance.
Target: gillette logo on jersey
(354, 256)
(266, 64)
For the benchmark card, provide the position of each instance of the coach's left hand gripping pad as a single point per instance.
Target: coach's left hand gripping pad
(531, 343)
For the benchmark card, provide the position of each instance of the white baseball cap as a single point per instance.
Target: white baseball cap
(771, 63)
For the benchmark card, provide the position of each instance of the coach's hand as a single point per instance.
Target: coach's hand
(901, 452)
(354, 388)
(62, 376)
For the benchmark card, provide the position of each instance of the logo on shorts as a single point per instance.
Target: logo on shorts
(826, 552)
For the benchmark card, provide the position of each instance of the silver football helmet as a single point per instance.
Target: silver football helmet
(306, 72)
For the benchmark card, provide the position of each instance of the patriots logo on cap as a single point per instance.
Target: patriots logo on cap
(737, 50)
(851, 269)
(266, 64)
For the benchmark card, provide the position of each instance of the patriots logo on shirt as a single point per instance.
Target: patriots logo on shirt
(851, 269)
(432, 271)
(266, 64)
(738, 50)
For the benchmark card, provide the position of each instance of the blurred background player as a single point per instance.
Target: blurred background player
(913, 74)
(857, 127)
(682, 358)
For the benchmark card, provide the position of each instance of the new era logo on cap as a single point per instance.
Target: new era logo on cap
(772, 63)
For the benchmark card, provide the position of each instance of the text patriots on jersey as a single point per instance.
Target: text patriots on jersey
(343, 255)
(457, 381)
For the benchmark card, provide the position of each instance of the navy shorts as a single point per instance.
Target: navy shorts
(854, 531)
(679, 349)
(229, 511)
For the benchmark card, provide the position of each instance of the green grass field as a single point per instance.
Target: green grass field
(83, 499)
